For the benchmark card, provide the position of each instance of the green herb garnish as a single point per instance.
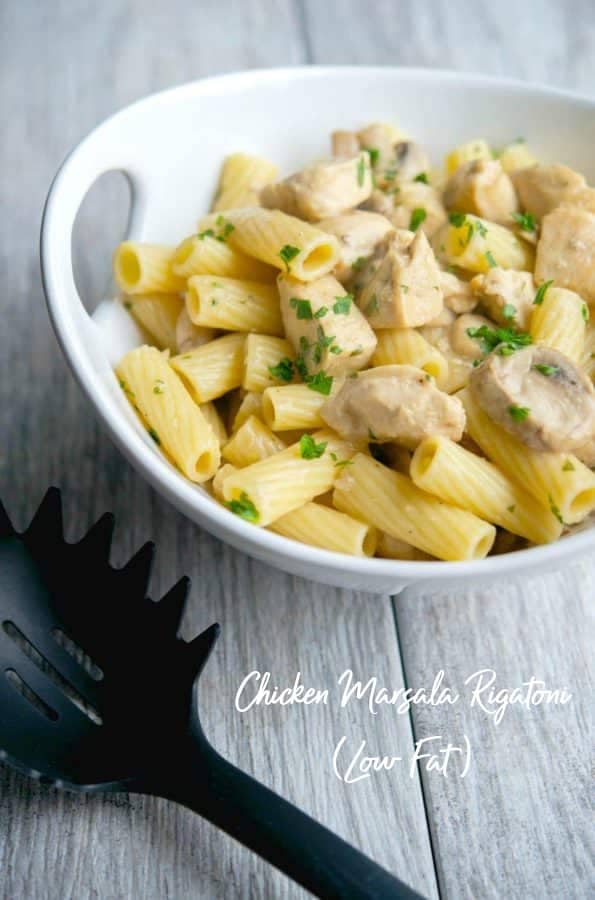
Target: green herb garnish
(509, 311)
(283, 371)
(457, 219)
(541, 291)
(556, 510)
(418, 216)
(525, 221)
(490, 259)
(507, 340)
(372, 306)
(321, 313)
(374, 154)
(568, 466)
(154, 435)
(422, 178)
(287, 253)
(359, 263)
(519, 413)
(320, 383)
(159, 386)
(546, 370)
(585, 312)
(244, 508)
(303, 308)
(309, 449)
(360, 171)
(342, 305)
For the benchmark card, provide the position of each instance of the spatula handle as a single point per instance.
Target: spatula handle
(279, 832)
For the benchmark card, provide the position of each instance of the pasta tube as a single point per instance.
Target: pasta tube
(242, 179)
(292, 406)
(205, 254)
(559, 481)
(249, 405)
(158, 314)
(213, 369)
(234, 305)
(516, 156)
(172, 419)
(320, 526)
(405, 346)
(211, 414)
(394, 504)
(145, 269)
(447, 470)
(478, 245)
(267, 361)
(252, 441)
(285, 242)
(560, 322)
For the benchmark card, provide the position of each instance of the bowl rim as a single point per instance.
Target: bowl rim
(182, 493)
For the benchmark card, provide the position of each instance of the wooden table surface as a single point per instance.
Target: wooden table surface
(517, 826)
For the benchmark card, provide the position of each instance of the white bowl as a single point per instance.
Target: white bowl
(170, 146)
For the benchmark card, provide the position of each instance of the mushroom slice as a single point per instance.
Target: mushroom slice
(506, 296)
(360, 233)
(538, 395)
(399, 404)
(542, 188)
(483, 188)
(323, 189)
(411, 160)
(404, 291)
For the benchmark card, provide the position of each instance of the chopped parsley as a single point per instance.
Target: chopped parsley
(509, 311)
(303, 308)
(159, 386)
(320, 383)
(321, 313)
(336, 349)
(546, 370)
(519, 413)
(511, 508)
(390, 174)
(404, 288)
(126, 388)
(556, 510)
(506, 340)
(568, 466)
(541, 291)
(222, 235)
(127, 304)
(244, 508)
(360, 170)
(480, 228)
(154, 435)
(585, 312)
(321, 344)
(301, 367)
(525, 221)
(309, 449)
(359, 263)
(418, 216)
(490, 260)
(457, 219)
(374, 155)
(422, 178)
(342, 305)
(287, 253)
(372, 306)
(283, 371)
(208, 232)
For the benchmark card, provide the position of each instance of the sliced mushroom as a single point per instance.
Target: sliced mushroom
(405, 290)
(461, 342)
(359, 233)
(399, 404)
(411, 160)
(421, 200)
(457, 293)
(541, 188)
(189, 335)
(538, 395)
(326, 329)
(566, 251)
(506, 296)
(322, 189)
(482, 187)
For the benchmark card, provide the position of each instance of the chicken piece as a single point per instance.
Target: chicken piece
(405, 290)
(566, 251)
(344, 143)
(359, 233)
(399, 404)
(416, 199)
(189, 335)
(542, 187)
(584, 199)
(506, 296)
(483, 188)
(324, 326)
(538, 395)
(457, 293)
(443, 320)
(462, 344)
(322, 189)
(380, 202)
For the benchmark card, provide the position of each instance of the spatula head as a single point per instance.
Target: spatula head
(96, 687)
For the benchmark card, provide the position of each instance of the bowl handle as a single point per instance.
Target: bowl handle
(95, 156)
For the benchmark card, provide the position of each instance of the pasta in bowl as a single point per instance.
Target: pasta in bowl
(383, 353)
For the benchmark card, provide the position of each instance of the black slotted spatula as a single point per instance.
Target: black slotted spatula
(98, 693)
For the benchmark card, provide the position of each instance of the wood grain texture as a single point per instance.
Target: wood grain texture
(55, 845)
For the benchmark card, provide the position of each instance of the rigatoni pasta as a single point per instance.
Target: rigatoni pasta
(333, 372)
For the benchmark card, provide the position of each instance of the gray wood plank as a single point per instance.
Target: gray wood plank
(517, 825)
(84, 61)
